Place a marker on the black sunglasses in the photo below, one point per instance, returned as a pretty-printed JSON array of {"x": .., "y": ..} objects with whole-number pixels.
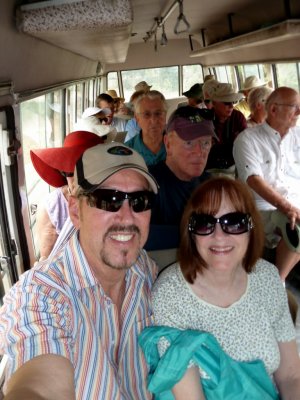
[
  {"x": 234, "y": 223},
  {"x": 112, "y": 200},
  {"x": 67, "y": 174},
  {"x": 207, "y": 101}
]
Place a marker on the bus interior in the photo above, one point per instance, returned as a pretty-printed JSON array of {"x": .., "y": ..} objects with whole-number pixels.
[{"x": 58, "y": 55}]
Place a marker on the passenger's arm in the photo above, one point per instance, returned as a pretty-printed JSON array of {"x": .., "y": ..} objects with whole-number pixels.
[
  {"x": 46, "y": 232},
  {"x": 189, "y": 387},
  {"x": 287, "y": 376},
  {"x": 258, "y": 184},
  {"x": 46, "y": 377}
]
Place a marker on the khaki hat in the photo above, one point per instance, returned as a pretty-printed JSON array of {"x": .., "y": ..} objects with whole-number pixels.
[
  {"x": 195, "y": 92},
  {"x": 208, "y": 87},
  {"x": 101, "y": 162},
  {"x": 252, "y": 82},
  {"x": 142, "y": 86},
  {"x": 224, "y": 92},
  {"x": 209, "y": 77},
  {"x": 112, "y": 93}
]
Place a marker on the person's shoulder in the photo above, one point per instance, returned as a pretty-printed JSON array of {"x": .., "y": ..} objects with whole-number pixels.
[
  {"x": 265, "y": 272},
  {"x": 168, "y": 279}
]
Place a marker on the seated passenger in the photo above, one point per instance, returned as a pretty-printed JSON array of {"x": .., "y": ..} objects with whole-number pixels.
[
  {"x": 150, "y": 110},
  {"x": 188, "y": 141},
  {"x": 251, "y": 82},
  {"x": 221, "y": 297},
  {"x": 55, "y": 165},
  {"x": 194, "y": 96},
  {"x": 228, "y": 124},
  {"x": 142, "y": 86},
  {"x": 93, "y": 120},
  {"x": 256, "y": 100},
  {"x": 70, "y": 326},
  {"x": 106, "y": 101},
  {"x": 267, "y": 157},
  {"x": 132, "y": 127},
  {"x": 117, "y": 100},
  {"x": 208, "y": 90}
]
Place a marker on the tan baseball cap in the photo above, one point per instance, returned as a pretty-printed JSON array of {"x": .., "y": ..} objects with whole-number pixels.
[{"x": 97, "y": 165}]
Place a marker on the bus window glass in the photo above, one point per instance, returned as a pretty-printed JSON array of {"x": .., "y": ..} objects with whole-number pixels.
[
  {"x": 112, "y": 82},
  {"x": 288, "y": 75},
  {"x": 70, "y": 108},
  {"x": 54, "y": 116},
  {"x": 36, "y": 133},
  {"x": 164, "y": 79},
  {"x": 92, "y": 94},
  {"x": 191, "y": 74},
  {"x": 226, "y": 74},
  {"x": 79, "y": 100}
]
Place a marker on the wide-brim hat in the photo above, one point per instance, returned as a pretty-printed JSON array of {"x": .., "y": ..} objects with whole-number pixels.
[
  {"x": 90, "y": 111},
  {"x": 100, "y": 162},
  {"x": 224, "y": 92},
  {"x": 195, "y": 92},
  {"x": 112, "y": 93},
  {"x": 252, "y": 82},
  {"x": 92, "y": 124},
  {"x": 289, "y": 235},
  {"x": 191, "y": 123},
  {"x": 50, "y": 162},
  {"x": 142, "y": 86}
]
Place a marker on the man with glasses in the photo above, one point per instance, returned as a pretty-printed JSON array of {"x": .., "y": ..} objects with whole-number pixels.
[
  {"x": 70, "y": 325},
  {"x": 188, "y": 141},
  {"x": 150, "y": 113},
  {"x": 228, "y": 124},
  {"x": 267, "y": 157}
]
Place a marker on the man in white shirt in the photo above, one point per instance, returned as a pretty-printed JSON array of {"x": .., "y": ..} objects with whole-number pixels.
[{"x": 267, "y": 157}]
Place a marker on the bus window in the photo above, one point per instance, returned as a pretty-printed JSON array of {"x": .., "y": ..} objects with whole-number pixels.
[
  {"x": 191, "y": 74},
  {"x": 71, "y": 108},
  {"x": 226, "y": 74},
  {"x": 288, "y": 75},
  {"x": 112, "y": 82},
  {"x": 79, "y": 100},
  {"x": 164, "y": 79}
]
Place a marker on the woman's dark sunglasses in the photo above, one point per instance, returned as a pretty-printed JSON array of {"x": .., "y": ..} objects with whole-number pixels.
[
  {"x": 112, "y": 200},
  {"x": 234, "y": 223}
]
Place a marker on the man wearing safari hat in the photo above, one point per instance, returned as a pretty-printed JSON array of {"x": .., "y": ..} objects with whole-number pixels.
[
  {"x": 267, "y": 157},
  {"x": 188, "y": 141},
  {"x": 228, "y": 124},
  {"x": 71, "y": 325},
  {"x": 250, "y": 83}
]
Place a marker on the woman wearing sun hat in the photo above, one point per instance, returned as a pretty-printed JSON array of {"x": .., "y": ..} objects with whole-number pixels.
[{"x": 56, "y": 167}]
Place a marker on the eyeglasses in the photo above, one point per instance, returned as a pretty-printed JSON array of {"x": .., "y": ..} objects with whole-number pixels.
[
  {"x": 207, "y": 101},
  {"x": 112, "y": 200},
  {"x": 205, "y": 145},
  {"x": 295, "y": 106},
  {"x": 155, "y": 114},
  {"x": 234, "y": 223}
]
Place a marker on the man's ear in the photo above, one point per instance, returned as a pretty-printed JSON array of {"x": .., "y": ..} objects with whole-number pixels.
[{"x": 74, "y": 211}]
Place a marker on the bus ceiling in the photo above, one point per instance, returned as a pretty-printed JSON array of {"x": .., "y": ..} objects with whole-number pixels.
[{"x": 216, "y": 32}]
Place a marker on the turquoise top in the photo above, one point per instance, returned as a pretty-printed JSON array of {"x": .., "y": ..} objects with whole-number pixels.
[{"x": 150, "y": 158}]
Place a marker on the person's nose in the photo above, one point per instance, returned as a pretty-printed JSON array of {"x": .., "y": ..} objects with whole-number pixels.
[
  {"x": 126, "y": 212},
  {"x": 218, "y": 231}
]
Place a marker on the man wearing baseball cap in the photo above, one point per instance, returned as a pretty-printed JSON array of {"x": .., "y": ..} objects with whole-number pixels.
[
  {"x": 188, "y": 140},
  {"x": 70, "y": 325}
]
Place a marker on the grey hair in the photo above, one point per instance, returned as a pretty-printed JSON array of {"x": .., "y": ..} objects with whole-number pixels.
[
  {"x": 151, "y": 95},
  {"x": 258, "y": 95}
]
